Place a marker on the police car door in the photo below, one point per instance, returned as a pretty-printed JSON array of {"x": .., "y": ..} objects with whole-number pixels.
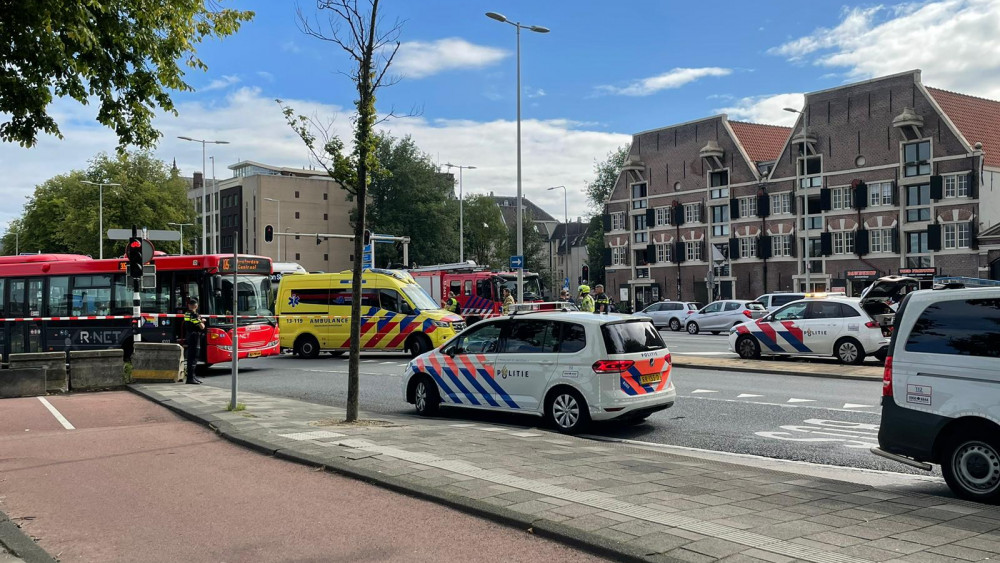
[
  {"x": 782, "y": 332},
  {"x": 464, "y": 369},
  {"x": 527, "y": 359},
  {"x": 821, "y": 326}
]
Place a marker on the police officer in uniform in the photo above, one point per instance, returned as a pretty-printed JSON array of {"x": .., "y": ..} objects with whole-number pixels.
[
  {"x": 586, "y": 301},
  {"x": 602, "y": 302},
  {"x": 452, "y": 304},
  {"x": 194, "y": 326}
]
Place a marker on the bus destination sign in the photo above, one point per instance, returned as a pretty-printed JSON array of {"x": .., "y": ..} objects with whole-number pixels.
[{"x": 248, "y": 265}]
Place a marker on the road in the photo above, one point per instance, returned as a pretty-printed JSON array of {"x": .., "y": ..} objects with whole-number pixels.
[
  {"x": 824, "y": 421},
  {"x": 119, "y": 478}
]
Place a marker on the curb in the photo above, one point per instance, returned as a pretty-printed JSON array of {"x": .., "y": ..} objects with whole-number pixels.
[
  {"x": 741, "y": 369},
  {"x": 20, "y": 544},
  {"x": 556, "y": 531}
]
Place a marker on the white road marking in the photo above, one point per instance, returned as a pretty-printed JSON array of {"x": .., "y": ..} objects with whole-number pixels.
[
  {"x": 703, "y": 353},
  {"x": 703, "y": 391},
  {"x": 744, "y": 395},
  {"x": 856, "y": 406},
  {"x": 793, "y": 400},
  {"x": 62, "y": 419},
  {"x": 389, "y": 363},
  {"x": 783, "y": 405}
]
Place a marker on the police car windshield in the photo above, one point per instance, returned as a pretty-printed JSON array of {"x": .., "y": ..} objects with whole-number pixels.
[
  {"x": 532, "y": 289},
  {"x": 631, "y": 337},
  {"x": 419, "y": 297},
  {"x": 253, "y": 295}
]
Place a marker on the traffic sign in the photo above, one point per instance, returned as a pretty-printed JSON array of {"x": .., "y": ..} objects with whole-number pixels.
[
  {"x": 516, "y": 262},
  {"x": 125, "y": 234},
  {"x": 368, "y": 256}
]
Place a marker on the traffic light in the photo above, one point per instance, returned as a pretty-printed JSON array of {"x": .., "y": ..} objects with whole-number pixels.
[
  {"x": 586, "y": 273},
  {"x": 368, "y": 237},
  {"x": 319, "y": 240},
  {"x": 268, "y": 233},
  {"x": 134, "y": 255}
]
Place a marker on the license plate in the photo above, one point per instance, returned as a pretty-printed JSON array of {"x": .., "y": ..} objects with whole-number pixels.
[
  {"x": 649, "y": 378},
  {"x": 256, "y": 354}
]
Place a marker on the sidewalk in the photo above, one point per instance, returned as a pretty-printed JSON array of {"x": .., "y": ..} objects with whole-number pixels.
[
  {"x": 805, "y": 368},
  {"x": 614, "y": 500}
]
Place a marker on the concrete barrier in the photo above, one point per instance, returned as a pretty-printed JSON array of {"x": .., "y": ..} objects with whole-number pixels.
[
  {"x": 22, "y": 382},
  {"x": 96, "y": 369},
  {"x": 54, "y": 364},
  {"x": 157, "y": 362}
]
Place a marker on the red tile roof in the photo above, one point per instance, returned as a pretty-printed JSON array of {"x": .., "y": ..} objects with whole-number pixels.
[
  {"x": 762, "y": 142},
  {"x": 978, "y": 119}
]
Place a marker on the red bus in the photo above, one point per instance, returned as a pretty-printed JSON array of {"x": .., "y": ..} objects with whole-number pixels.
[{"x": 62, "y": 302}]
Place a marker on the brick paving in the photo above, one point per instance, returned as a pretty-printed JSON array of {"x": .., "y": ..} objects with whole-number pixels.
[{"x": 622, "y": 501}]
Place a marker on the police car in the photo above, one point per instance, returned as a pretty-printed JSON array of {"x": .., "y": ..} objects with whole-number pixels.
[
  {"x": 819, "y": 325},
  {"x": 570, "y": 367}
]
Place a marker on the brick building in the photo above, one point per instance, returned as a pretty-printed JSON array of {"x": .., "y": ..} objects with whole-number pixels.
[{"x": 883, "y": 177}]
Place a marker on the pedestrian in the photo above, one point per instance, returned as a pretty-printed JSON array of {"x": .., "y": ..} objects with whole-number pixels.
[
  {"x": 508, "y": 301},
  {"x": 586, "y": 301},
  {"x": 194, "y": 327},
  {"x": 602, "y": 302},
  {"x": 564, "y": 296}
]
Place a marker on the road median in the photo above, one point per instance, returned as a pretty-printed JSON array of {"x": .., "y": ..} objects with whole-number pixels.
[{"x": 781, "y": 367}]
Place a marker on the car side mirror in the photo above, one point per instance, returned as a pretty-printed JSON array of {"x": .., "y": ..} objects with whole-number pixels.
[{"x": 405, "y": 308}]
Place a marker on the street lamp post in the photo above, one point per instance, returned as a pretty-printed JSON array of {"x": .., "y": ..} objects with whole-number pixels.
[
  {"x": 520, "y": 227},
  {"x": 461, "y": 204},
  {"x": 181, "y": 225},
  {"x": 566, "y": 228},
  {"x": 278, "y": 201},
  {"x": 805, "y": 166},
  {"x": 100, "y": 213},
  {"x": 204, "y": 197}
]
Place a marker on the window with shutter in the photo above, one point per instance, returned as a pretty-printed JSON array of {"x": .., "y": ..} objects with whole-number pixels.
[
  {"x": 826, "y": 244},
  {"x": 934, "y": 236},
  {"x": 734, "y": 249}
]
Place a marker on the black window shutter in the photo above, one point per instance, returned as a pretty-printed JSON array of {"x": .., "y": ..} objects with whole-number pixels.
[
  {"x": 650, "y": 217},
  {"x": 861, "y": 242},
  {"x": 793, "y": 247},
  {"x": 791, "y": 201},
  {"x": 763, "y": 247},
  {"x": 895, "y": 193},
  {"x": 702, "y": 210},
  {"x": 973, "y": 185},
  {"x": 679, "y": 215},
  {"x": 606, "y": 218},
  {"x": 825, "y": 200},
  {"x": 826, "y": 244},
  {"x": 679, "y": 254},
  {"x": 895, "y": 240},
  {"x": 861, "y": 196},
  {"x": 934, "y": 237},
  {"x": 734, "y": 249},
  {"x": 763, "y": 205},
  {"x": 937, "y": 187},
  {"x": 973, "y": 234},
  {"x": 606, "y": 256},
  {"x": 704, "y": 251},
  {"x": 734, "y": 208},
  {"x": 650, "y": 254}
]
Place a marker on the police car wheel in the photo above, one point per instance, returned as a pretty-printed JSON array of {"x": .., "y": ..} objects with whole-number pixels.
[
  {"x": 567, "y": 411},
  {"x": 692, "y": 327},
  {"x": 748, "y": 348},
  {"x": 971, "y": 467},
  {"x": 849, "y": 351},
  {"x": 307, "y": 347},
  {"x": 675, "y": 325},
  {"x": 425, "y": 397}
]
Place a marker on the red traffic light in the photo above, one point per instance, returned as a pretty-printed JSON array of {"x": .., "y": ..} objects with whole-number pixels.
[{"x": 135, "y": 244}]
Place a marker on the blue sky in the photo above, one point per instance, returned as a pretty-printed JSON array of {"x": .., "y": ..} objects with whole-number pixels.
[{"x": 605, "y": 71}]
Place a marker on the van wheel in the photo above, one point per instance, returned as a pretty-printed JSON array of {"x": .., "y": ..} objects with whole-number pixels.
[
  {"x": 971, "y": 467},
  {"x": 567, "y": 410},
  {"x": 849, "y": 351},
  {"x": 307, "y": 347},
  {"x": 426, "y": 397},
  {"x": 418, "y": 344},
  {"x": 692, "y": 327},
  {"x": 748, "y": 348},
  {"x": 675, "y": 325}
]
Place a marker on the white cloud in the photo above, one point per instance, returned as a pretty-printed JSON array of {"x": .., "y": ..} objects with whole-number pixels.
[
  {"x": 225, "y": 81},
  {"x": 554, "y": 151},
  {"x": 265, "y": 75},
  {"x": 534, "y": 92},
  {"x": 420, "y": 59},
  {"x": 673, "y": 79},
  {"x": 952, "y": 41},
  {"x": 291, "y": 47},
  {"x": 765, "y": 109}
]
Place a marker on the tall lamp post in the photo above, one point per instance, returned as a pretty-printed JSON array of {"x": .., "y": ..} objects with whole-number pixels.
[
  {"x": 566, "y": 228},
  {"x": 520, "y": 227},
  {"x": 181, "y": 225},
  {"x": 805, "y": 165},
  {"x": 461, "y": 204},
  {"x": 100, "y": 213},
  {"x": 278, "y": 201},
  {"x": 204, "y": 196}
]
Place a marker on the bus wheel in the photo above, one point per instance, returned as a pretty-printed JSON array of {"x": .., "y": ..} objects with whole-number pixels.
[
  {"x": 307, "y": 347},
  {"x": 418, "y": 344}
]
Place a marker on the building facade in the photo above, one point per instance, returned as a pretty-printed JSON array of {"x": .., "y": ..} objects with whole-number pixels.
[{"x": 881, "y": 177}]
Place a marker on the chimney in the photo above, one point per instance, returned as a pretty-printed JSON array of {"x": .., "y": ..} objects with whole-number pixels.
[{"x": 197, "y": 181}]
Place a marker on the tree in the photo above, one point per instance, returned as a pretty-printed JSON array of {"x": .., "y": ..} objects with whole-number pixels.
[
  {"x": 534, "y": 245},
  {"x": 606, "y": 175},
  {"x": 124, "y": 53},
  {"x": 62, "y": 214},
  {"x": 410, "y": 197},
  {"x": 595, "y": 250},
  {"x": 485, "y": 235},
  {"x": 371, "y": 51}
]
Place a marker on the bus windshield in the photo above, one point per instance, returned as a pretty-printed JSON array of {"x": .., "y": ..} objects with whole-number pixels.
[
  {"x": 253, "y": 296},
  {"x": 532, "y": 287}
]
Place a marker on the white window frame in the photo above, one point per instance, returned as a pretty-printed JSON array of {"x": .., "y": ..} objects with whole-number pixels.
[
  {"x": 781, "y": 204},
  {"x": 841, "y": 198},
  {"x": 884, "y": 237},
  {"x": 959, "y": 233},
  {"x": 693, "y": 250},
  {"x": 692, "y": 213},
  {"x": 640, "y": 236},
  {"x": 748, "y": 247},
  {"x": 956, "y": 185},
  {"x": 663, "y": 252},
  {"x": 618, "y": 254},
  {"x": 781, "y": 245},
  {"x": 949, "y": 233},
  {"x": 618, "y": 221},
  {"x": 662, "y": 216},
  {"x": 748, "y": 206}
]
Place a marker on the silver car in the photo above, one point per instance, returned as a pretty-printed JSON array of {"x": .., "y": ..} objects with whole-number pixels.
[
  {"x": 671, "y": 314},
  {"x": 721, "y": 316}
]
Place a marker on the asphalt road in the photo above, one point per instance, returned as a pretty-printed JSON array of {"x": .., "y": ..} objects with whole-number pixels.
[{"x": 823, "y": 421}]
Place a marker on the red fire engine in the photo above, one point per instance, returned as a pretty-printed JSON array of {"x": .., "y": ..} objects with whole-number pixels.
[{"x": 477, "y": 289}]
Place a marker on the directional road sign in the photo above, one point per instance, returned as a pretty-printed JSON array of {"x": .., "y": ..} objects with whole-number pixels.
[
  {"x": 125, "y": 234},
  {"x": 516, "y": 262}
]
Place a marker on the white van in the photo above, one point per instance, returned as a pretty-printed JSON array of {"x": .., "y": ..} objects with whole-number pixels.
[{"x": 941, "y": 388}]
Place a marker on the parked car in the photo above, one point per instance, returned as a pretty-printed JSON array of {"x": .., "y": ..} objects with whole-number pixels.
[
  {"x": 570, "y": 367},
  {"x": 890, "y": 290},
  {"x": 720, "y": 316},
  {"x": 941, "y": 389},
  {"x": 671, "y": 314},
  {"x": 775, "y": 301}
]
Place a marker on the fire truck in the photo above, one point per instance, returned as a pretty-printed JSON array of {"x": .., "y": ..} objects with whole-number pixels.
[{"x": 477, "y": 288}]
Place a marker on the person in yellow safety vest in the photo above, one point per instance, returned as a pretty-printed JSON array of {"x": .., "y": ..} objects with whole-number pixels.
[
  {"x": 508, "y": 301},
  {"x": 586, "y": 301},
  {"x": 451, "y": 304},
  {"x": 602, "y": 302}
]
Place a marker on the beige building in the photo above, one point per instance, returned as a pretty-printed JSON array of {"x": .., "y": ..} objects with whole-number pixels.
[{"x": 291, "y": 200}]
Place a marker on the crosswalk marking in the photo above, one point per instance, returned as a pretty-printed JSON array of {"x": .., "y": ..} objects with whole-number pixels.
[
  {"x": 855, "y": 406},
  {"x": 793, "y": 400},
  {"x": 703, "y": 391},
  {"x": 745, "y": 395}
]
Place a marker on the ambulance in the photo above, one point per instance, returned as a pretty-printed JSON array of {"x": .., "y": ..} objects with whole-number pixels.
[{"x": 314, "y": 314}]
